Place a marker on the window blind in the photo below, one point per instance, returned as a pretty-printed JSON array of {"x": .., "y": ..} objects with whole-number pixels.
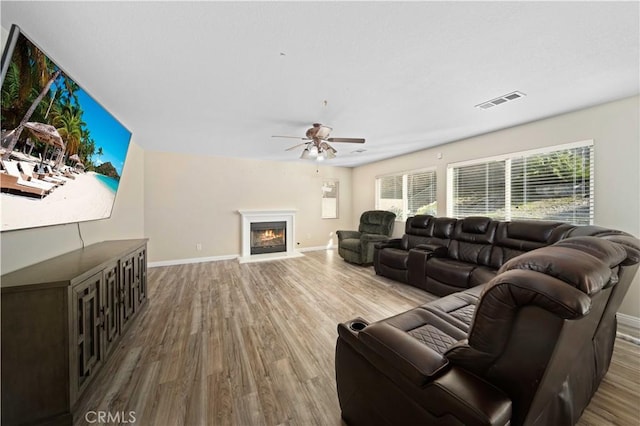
[
  {"x": 421, "y": 193},
  {"x": 550, "y": 184},
  {"x": 391, "y": 187},
  {"x": 479, "y": 190},
  {"x": 553, "y": 186},
  {"x": 407, "y": 194}
]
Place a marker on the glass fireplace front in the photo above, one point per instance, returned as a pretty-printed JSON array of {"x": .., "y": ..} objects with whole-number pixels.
[{"x": 268, "y": 237}]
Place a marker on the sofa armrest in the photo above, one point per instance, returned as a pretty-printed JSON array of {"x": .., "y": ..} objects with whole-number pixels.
[
  {"x": 413, "y": 359},
  {"x": 444, "y": 390},
  {"x": 372, "y": 238},
  {"x": 435, "y": 249},
  {"x": 392, "y": 243},
  {"x": 343, "y": 235},
  {"x": 417, "y": 262},
  {"x": 462, "y": 395}
]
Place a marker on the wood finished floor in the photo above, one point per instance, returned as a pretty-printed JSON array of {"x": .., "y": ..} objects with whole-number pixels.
[{"x": 221, "y": 343}]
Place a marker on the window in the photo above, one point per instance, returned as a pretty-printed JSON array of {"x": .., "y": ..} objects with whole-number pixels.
[
  {"x": 407, "y": 194},
  {"x": 554, "y": 183}
]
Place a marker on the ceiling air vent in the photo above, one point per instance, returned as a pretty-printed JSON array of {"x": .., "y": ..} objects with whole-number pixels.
[{"x": 501, "y": 100}]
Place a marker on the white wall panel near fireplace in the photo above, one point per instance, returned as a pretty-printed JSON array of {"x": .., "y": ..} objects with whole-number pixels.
[{"x": 257, "y": 216}]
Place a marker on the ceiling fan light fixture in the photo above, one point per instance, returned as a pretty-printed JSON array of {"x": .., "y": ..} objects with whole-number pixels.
[
  {"x": 316, "y": 143},
  {"x": 305, "y": 154}
]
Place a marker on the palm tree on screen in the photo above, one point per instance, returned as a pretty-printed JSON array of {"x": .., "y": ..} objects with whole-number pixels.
[
  {"x": 69, "y": 124},
  {"x": 42, "y": 75}
]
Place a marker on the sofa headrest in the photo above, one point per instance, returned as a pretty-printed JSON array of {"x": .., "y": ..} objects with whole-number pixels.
[
  {"x": 377, "y": 222},
  {"x": 475, "y": 224},
  {"x": 443, "y": 226},
  {"x": 574, "y": 263},
  {"x": 421, "y": 221},
  {"x": 607, "y": 251},
  {"x": 533, "y": 230},
  {"x": 630, "y": 243},
  {"x": 376, "y": 217}
]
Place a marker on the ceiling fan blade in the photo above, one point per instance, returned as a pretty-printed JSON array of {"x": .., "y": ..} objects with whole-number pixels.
[
  {"x": 349, "y": 140},
  {"x": 322, "y": 131},
  {"x": 296, "y": 146},
  {"x": 290, "y": 137}
]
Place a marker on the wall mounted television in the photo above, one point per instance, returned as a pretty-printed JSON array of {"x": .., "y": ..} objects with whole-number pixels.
[{"x": 62, "y": 154}]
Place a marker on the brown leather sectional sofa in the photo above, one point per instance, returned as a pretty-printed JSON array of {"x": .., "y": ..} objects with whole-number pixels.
[
  {"x": 443, "y": 255},
  {"x": 527, "y": 347}
]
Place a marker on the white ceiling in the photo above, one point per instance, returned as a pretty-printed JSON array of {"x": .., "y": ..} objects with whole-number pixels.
[{"x": 219, "y": 78}]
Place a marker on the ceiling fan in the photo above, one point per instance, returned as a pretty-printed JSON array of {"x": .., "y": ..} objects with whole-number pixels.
[{"x": 316, "y": 145}]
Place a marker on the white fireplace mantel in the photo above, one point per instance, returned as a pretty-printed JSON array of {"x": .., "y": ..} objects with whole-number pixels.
[{"x": 255, "y": 216}]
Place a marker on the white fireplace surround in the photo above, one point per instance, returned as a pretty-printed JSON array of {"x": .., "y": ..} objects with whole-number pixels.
[{"x": 256, "y": 216}]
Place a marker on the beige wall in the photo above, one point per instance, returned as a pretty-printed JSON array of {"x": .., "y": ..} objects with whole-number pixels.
[
  {"x": 25, "y": 247},
  {"x": 614, "y": 127},
  {"x": 193, "y": 199}
]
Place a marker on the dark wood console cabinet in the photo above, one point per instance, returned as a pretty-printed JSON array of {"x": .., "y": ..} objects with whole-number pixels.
[{"x": 61, "y": 319}]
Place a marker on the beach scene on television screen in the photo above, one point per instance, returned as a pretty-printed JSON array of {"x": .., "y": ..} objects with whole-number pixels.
[{"x": 62, "y": 154}]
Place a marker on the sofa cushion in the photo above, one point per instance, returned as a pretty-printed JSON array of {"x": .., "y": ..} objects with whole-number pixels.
[
  {"x": 514, "y": 238},
  {"x": 411, "y": 241},
  {"x": 426, "y": 229},
  {"x": 458, "y": 308},
  {"x": 472, "y": 240},
  {"x": 416, "y": 228},
  {"x": 450, "y": 271},
  {"x": 441, "y": 231},
  {"x": 481, "y": 275},
  {"x": 394, "y": 258},
  {"x": 420, "y": 324},
  {"x": 351, "y": 244}
]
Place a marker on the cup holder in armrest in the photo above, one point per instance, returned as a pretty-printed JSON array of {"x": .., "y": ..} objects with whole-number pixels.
[
  {"x": 357, "y": 325},
  {"x": 350, "y": 330}
]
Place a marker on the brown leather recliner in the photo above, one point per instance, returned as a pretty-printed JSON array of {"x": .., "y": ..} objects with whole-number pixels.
[{"x": 530, "y": 347}]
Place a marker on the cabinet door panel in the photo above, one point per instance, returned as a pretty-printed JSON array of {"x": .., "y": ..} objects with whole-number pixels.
[
  {"x": 87, "y": 329},
  {"x": 141, "y": 276},
  {"x": 127, "y": 290},
  {"x": 110, "y": 306}
]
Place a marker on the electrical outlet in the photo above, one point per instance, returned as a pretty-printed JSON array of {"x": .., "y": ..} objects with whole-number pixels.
[{"x": 199, "y": 246}]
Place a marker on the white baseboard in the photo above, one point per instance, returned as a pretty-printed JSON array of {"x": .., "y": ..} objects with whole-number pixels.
[
  {"x": 217, "y": 258},
  {"x": 317, "y": 248},
  {"x": 628, "y": 320},
  {"x": 193, "y": 260}
]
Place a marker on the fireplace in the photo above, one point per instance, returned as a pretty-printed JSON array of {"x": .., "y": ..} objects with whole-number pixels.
[{"x": 268, "y": 237}]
